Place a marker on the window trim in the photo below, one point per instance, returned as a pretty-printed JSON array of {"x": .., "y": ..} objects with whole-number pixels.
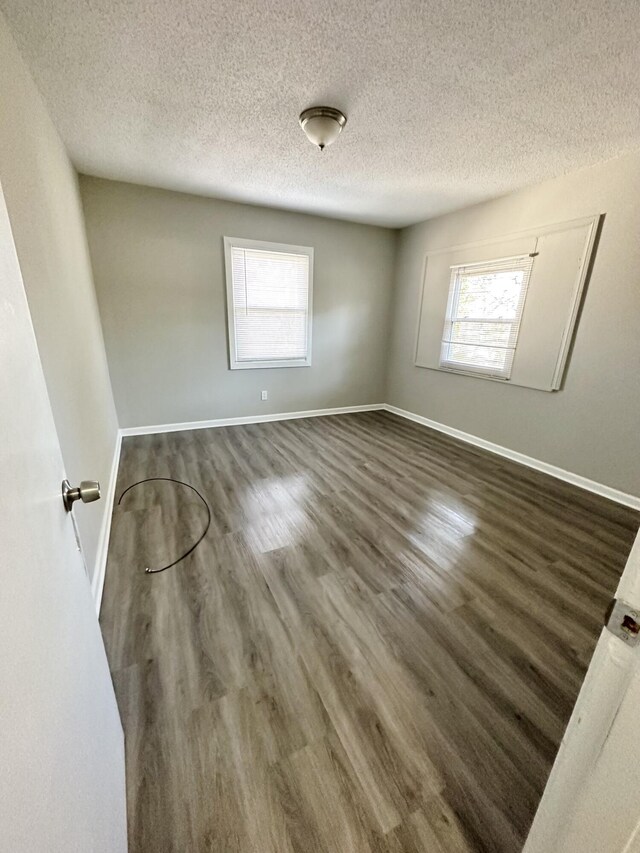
[
  {"x": 454, "y": 290},
  {"x": 265, "y": 246}
]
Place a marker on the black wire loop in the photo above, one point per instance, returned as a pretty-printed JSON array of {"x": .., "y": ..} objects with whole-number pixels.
[{"x": 200, "y": 538}]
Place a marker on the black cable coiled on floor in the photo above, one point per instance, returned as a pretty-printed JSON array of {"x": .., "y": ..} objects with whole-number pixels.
[{"x": 200, "y": 538}]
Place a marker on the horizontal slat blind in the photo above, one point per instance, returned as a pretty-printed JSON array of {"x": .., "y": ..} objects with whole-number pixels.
[
  {"x": 270, "y": 304},
  {"x": 486, "y": 301}
]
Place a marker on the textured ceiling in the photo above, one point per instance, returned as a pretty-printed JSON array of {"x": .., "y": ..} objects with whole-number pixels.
[{"x": 448, "y": 102}]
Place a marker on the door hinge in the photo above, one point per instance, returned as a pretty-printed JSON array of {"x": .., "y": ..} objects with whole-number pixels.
[{"x": 623, "y": 621}]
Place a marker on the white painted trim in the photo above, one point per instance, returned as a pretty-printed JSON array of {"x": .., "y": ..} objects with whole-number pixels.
[
  {"x": 616, "y": 495},
  {"x": 97, "y": 585},
  {"x": 597, "y": 705},
  {"x": 575, "y": 479},
  {"x": 540, "y": 231},
  {"x": 576, "y": 779},
  {"x": 100, "y": 568},
  {"x": 249, "y": 419},
  {"x": 578, "y": 291},
  {"x": 559, "y": 473}
]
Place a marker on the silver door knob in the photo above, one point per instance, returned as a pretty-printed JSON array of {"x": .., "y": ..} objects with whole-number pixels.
[{"x": 87, "y": 491}]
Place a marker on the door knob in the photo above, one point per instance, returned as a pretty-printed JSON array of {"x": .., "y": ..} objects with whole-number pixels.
[{"x": 87, "y": 491}]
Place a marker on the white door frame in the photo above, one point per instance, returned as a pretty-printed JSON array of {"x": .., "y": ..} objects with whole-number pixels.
[{"x": 582, "y": 791}]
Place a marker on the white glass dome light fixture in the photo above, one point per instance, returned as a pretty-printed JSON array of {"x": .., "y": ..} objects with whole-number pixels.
[{"x": 322, "y": 125}]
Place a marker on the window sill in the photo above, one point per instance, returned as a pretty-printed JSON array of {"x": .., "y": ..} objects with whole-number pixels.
[
  {"x": 253, "y": 365},
  {"x": 482, "y": 373}
]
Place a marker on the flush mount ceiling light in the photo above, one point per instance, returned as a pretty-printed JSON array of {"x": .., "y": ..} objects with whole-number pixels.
[{"x": 322, "y": 125}]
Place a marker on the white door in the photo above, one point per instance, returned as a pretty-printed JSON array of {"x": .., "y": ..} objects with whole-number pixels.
[
  {"x": 592, "y": 801},
  {"x": 61, "y": 743}
]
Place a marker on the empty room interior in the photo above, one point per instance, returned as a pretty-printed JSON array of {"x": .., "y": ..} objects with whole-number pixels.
[{"x": 320, "y": 374}]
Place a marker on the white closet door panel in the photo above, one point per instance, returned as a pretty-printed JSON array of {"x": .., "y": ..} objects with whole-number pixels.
[{"x": 547, "y": 315}]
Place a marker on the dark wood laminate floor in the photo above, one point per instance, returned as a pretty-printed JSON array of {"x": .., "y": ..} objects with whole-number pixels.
[{"x": 376, "y": 647}]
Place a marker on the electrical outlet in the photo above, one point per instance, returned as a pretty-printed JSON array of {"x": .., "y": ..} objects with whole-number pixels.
[{"x": 264, "y": 396}]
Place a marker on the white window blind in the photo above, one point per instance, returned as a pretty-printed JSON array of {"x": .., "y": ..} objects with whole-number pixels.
[
  {"x": 486, "y": 301},
  {"x": 269, "y": 299}
]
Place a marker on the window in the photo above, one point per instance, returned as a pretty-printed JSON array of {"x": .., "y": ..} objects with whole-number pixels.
[
  {"x": 269, "y": 288},
  {"x": 484, "y": 311}
]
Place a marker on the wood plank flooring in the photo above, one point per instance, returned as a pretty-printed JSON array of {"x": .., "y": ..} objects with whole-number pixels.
[{"x": 375, "y": 649}]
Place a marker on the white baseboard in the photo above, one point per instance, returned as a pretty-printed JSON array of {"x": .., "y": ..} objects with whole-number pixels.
[
  {"x": 249, "y": 419},
  {"x": 559, "y": 473},
  {"x": 97, "y": 584},
  {"x": 100, "y": 568}
]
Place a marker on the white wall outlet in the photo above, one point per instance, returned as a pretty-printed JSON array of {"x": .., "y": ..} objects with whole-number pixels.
[{"x": 264, "y": 396}]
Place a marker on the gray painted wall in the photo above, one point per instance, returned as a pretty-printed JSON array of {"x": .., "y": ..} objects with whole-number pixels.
[
  {"x": 41, "y": 191},
  {"x": 159, "y": 272},
  {"x": 591, "y": 427}
]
